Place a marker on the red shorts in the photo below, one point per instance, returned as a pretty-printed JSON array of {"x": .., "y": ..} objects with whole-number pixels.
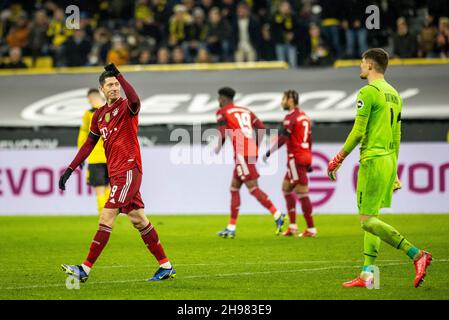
[
  {"x": 125, "y": 194},
  {"x": 245, "y": 168},
  {"x": 296, "y": 173}
]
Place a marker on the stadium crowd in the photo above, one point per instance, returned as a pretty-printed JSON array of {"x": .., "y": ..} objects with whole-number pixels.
[{"x": 301, "y": 32}]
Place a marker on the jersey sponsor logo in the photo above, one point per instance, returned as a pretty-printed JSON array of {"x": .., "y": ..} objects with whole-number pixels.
[{"x": 360, "y": 104}]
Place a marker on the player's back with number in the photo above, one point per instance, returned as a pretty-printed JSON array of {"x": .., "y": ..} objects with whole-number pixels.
[
  {"x": 299, "y": 144},
  {"x": 383, "y": 105},
  {"x": 240, "y": 122}
]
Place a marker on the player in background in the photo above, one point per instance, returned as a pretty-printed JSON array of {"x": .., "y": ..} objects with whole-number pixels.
[
  {"x": 377, "y": 128},
  {"x": 97, "y": 170},
  {"x": 239, "y": 123},
  {"x": 117, "y": 124},
  {"x": 297, "y": 134}
]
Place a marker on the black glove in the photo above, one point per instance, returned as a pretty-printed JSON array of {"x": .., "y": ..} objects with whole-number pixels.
[
  {"x": 112, "y": 68},
  {"x": 63, "y": 179}
]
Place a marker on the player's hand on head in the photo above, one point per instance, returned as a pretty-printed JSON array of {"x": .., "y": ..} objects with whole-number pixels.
[
  {"x": 112, "y": 68},
  {"x": 63, "y": 179}
]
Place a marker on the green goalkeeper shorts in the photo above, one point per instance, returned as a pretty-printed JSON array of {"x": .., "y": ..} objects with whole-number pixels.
[{"x": 375, "y": 184}]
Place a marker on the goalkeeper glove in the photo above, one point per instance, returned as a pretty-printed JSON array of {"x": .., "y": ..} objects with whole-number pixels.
[
  {"x": 112, "y": 69},
  {"x": 334, "y": 165},
  {"x": 63, "y": 179}
]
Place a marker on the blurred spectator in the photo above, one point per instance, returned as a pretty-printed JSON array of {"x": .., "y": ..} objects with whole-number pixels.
[
  {"x": 267, "y": 45},
  {"x": 207, "y": 5},
  {"x": 318, "y": 48},
  {"x": 354, "y": 25},
  {"x": 442, "y": 40},
  {"x": 437, "y": 9},
  {"x": 179, "y": 24},
  {"x": 58, "y": 34},
  {"x": 163, "y": 55},
  {"x": 146, "y": 22},
  {"x": 405, "y": 45},
  {"x": 18, "y": 34},
  {"x": 196, "y": 37},
  {"x": 15, "y": 60},
  {"x": 247, "y": 34},
  {"x": 188, "y": 4},
  {"x": 427, "y": 38},
  {"x": 218, "y": 34},
  {"x": 118, "y": 54},
  {"x": 145, "y": 57},
  {"x": 203, "y": 56},
  {"x": 77, "y": 49},
  {"x": 283, "y": 28},
  {"x": 178, "y": 55},
  {"x": 38, "y": 35},
  {"x": 100, "y": 47},
  {"x": 331, "y": 15}
]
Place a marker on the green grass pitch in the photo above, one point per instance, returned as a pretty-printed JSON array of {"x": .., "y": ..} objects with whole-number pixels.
[{"x": 255, "y": 265}]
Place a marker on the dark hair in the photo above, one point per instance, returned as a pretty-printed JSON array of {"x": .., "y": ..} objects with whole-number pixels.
[
  {"x": 104, "y": 75},
  {"x": 380, "y": 58},
  {"x": 92, "y": 90},
  {"x": 227, "y": 92},
  {"x": 292, "y": 94}
]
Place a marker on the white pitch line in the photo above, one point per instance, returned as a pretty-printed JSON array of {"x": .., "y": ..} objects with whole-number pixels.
[{"x": 217, "y": 275}]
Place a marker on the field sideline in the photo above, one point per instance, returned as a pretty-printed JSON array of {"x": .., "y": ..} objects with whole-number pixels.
[{"x": 254, "y": 265}]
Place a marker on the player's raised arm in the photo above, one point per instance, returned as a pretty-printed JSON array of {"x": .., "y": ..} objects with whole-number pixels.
[
  {"x": 131, "y": 94},
  {"x": 364, "y": 103}
]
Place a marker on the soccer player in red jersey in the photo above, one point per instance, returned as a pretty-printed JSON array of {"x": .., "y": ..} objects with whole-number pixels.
[
  {"x": 239, "y": 123},
  {"x": 117, "y": 124},
  {"x": 297, "y": 134}
]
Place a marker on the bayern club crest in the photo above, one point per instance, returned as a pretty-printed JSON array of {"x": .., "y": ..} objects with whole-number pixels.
[{"x": 114, "y": 113}]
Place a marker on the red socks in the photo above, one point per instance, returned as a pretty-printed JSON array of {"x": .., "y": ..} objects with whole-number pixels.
[
  {"x": 151, "y": 240},
  {"x": 235, "y": 205},
  {"x": 98, "y": 243},
  {"x": 306, "y": 206},
  {"x": 263, "y": 199},
  {"x": 291, "y": 206}
]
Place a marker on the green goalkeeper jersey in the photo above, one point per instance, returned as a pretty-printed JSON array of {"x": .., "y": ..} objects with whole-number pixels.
[{"x": 377, "y": 124}]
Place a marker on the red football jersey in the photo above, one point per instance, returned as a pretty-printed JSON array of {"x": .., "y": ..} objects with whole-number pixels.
[
  {"x": 118, "y": 128},
  {"x": 239, "y": 122},
  {"x": 299, "y": 142}
]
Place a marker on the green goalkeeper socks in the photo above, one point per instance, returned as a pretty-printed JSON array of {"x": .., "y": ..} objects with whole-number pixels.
[
  {"x": 371, "y": 246},
  {"x": 390, "y": 235}
]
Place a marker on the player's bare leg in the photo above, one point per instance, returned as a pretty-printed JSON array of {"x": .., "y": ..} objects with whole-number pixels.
[
  {"x": 302, "y": 191},
  {"x": 229, "y": 231},
  {"x": 152, "y": 242},
  {"x": 101, "y": 238},
  {"x": 290, "y": 200},
  {"x": 264, "y": 200},
  {"x": 380, "y": 230},
  {"x": 102, "y": 193}
]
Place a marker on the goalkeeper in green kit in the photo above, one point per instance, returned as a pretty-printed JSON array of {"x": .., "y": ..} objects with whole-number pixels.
[{"x": 377, "y": 128}]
